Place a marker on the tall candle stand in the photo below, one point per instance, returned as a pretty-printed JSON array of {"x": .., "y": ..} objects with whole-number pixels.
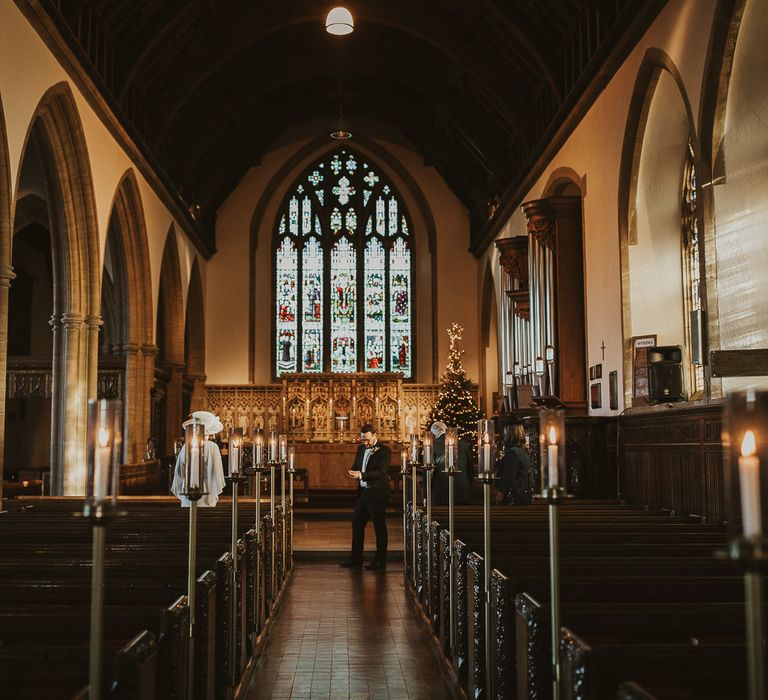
[
  {"x": 403, "y": 475},
  {"x": 291, "y": 472},
  {"x": 272, "y": 463},
  {"x": 486, "y": 463},
  {"x": 194, "y": 488},
  {"x": 104, "y": 444},
  {"x": 283, "y": 464},
  {"x": 451, "y": 449},
  {"x": 428, "y": 468},
  {"x": 552, "y": 461},
  {"x": 414, "y": 461},
  {"x": 745, "y": 441},
  {"x": 254, "y": 471},
  {"x": 234, "y": 479}
]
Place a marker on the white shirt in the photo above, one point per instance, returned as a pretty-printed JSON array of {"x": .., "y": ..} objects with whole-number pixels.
[
  {"x": 214, "y": 476},
  {"x": 366, "y": 456}
]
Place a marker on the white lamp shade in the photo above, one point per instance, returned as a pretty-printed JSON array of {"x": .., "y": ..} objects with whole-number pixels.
[{"x": 339, "y": 21}]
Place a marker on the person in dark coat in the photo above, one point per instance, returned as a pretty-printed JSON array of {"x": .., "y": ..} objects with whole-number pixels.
[
  {"x": 513, "y": 486},
  {"x": 371, "y": 470},
  {"x": 461, "y": 484}
]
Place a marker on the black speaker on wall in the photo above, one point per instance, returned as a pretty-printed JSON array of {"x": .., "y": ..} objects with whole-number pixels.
[{"x": 665, "y": 374}]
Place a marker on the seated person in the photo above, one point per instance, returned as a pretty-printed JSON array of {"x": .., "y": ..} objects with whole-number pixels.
[{"x": 513, "y": 487}]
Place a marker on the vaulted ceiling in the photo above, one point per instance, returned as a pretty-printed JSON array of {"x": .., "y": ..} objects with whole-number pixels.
[{"x": 478, "y": 86}]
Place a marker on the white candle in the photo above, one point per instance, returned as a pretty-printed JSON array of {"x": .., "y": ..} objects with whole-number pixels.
[
  {"x": 427, "y": 449},
  {"x": 552, "y": 458},
  {"x": 258, "y": 448},
  {"x": 291, "y": 459},
  {"x": 414, "y": 449},
  {"x": 194, "y": 464},
  {"x": 101, "y": 461},
  {"x": 749, "y": 482},
  {"x": 449, "y": 447},
  {"x": 404, "y": 458},
  {"x": 273, "y": 446},
  {"x": 487, "y": 455},
  {"x": 234, "y": 459},
  {"x": 283, "y": 448}
]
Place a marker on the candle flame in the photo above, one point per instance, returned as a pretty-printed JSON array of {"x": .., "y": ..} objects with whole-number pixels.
[
  {"x": 552, "y": 435},
  {"x": 103, "y": 437},
  {"x": 748, "y": 445}
]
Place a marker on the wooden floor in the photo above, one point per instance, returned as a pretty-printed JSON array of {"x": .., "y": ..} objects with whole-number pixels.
[
  {"x": 347, "y": 634},
  {"x": 335, "y": 536}
]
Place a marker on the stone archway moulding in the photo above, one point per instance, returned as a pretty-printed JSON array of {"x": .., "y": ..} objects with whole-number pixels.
[
  {"x": 654, "y": 62},
  {"x": 128, "y": 235},
  {"x": 283, "y": 179},
  {"x": 76, "y": 318}
]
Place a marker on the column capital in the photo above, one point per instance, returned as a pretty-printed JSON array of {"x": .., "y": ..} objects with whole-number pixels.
[
  {"x": 513, "y": 257},
  {"x": 130, "y": 348},
  {"x": 94, "y": 322},
  {"x": 541, "y": 221},
  {"x": 6, "y": 275},
  {"x": 148, "y": 349}
]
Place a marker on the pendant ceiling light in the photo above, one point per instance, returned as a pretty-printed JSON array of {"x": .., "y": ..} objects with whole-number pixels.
[
  {"x": 340, "y": 129},
  {"x": 339, "y": 21}
]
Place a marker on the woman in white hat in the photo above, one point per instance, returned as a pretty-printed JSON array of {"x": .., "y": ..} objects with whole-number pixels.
[{"x": 214, "y": 474}]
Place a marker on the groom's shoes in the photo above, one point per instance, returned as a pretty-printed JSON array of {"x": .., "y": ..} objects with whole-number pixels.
[
  {"x": 376, "y": 564},
  {"x": 351, "y": 564}
]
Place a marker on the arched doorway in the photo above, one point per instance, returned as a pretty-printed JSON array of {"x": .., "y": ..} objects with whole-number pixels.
[{"x": 55, "y": 215}]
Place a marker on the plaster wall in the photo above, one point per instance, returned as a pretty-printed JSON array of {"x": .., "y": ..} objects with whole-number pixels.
[
  {"x": 593, "y": 150},
  {"x": 227, "y": 343}
]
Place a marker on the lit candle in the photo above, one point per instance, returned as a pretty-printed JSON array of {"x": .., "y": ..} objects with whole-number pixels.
[
  {"x": 194, "y": 464},
  {"x": 404, "y": 458},
  {"x": 552, "y": 457},
  {"x": 291, "y": 458},
  {"x": 272, "y": 446},
  {"x": 283, "y": 448},
  {"x": 427, "y": 442},
  {"x": 101, "y": 461},
  {"x": 486, "y": 453},
  {"x": 235, "y": 449},
  {"x": 749, "y": 481},
  {"x": 414, "y": 448},
  {"x": 258, "y": 448},
  {"x": 450, "y": 446}
]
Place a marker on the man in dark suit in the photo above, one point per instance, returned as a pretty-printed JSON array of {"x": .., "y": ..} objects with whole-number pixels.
[{"x": 371, "y": 470}]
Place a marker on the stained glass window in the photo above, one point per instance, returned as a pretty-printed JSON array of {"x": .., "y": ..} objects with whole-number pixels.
[
  {"x": 343, "y": 272},
  {"x": 691, "y": 264}
]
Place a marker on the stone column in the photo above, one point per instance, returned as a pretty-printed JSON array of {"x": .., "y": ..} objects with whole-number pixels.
[
  {"x": 132, "y": 397},
  {"x": 198, "y": 400},
  {"x": 6, "y": 275},
  {"x": 173, "y": 405},
  {"x": 148, "y": 355},
  {"x": 71, "y": 382}
]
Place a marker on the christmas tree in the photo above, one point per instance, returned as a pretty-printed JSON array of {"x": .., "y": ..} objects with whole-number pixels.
[{"x": 455, "y": 404}]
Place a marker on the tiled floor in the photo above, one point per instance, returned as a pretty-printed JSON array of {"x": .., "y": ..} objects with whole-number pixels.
[{"x": 347, "y": 634}]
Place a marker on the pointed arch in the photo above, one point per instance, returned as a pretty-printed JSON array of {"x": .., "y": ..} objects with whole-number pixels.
[
  {"x": 490, "y": 360},
  {"x": 194, "y": 336},
  {"x": 132, "y": 283},
  {"x": 57, "y": 131},
  {"x": 650, "y": 79},
  {"x": 168, "y": 392},
  {"x": 6, "y": 275}
]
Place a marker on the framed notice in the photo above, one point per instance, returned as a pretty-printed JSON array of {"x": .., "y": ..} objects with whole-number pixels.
[{"x": 640, "y": 346}]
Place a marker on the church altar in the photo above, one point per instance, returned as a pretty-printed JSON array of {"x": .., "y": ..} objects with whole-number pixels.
[{"x": 322, "y": 415}]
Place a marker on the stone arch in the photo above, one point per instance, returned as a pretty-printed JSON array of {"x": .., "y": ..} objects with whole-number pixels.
[
  {"x": 657, "y": 68},
  {"x": 489, "y": 353},
  {"x": 194, "y": 337},
  {"x": 57, "y": 130},
  {"x": 565, "y": 182},
  {"x": 282, "y": 180},
  {"x": 168, "y": 397},
  {"x": 6, "y": 274},
  {"x": 131, "y": 278}
]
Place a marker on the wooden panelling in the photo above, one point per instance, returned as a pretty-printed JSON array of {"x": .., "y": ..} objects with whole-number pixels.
[{"x": 673, "y": 459}]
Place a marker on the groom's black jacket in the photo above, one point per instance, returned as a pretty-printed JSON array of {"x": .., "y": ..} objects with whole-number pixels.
[{"x": 376, "y": 471}]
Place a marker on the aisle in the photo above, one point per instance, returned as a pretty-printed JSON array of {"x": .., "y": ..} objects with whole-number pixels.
[{"x": 347, "y": 634}]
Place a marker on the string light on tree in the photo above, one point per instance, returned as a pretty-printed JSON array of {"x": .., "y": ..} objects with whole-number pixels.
[{"x": 455, "y": 404}]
